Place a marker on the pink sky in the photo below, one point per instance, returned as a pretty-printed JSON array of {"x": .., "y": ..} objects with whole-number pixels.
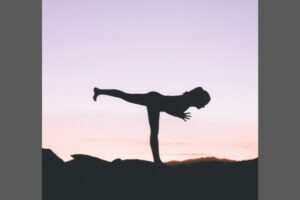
[{"x": 140, "y": 46}]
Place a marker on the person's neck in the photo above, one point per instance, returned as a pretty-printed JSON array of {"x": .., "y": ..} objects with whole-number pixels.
[{"x": 185, "y": 104}]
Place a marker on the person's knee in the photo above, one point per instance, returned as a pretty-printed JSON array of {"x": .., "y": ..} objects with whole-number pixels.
[
  {"x": 153, "y": 138},
  {"x": 154, "y": 134},
  {"x": 152, "y": 93}
]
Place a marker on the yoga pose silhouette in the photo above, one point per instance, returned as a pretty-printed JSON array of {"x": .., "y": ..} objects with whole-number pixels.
[{"x": 156, "y": 103}]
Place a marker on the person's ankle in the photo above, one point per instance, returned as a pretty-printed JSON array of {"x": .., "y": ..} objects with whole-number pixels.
[
  {"x": 97, "y": 91},
  {"x": 158, "y": 162}
]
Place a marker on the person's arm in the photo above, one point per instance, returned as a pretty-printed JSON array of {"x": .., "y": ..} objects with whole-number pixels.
[{"x": 184, "y": 115}]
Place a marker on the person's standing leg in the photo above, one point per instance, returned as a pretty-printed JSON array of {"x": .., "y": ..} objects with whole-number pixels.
[{"x": 153, "y": 115}]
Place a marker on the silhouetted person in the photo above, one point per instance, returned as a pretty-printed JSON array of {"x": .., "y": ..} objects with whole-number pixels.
[{"x": 156, "y": 103}]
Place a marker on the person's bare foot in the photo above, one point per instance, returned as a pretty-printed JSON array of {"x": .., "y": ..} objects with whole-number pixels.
[
  {"x": 159, "y": 164},
  {"x": 96, "y": 93}
]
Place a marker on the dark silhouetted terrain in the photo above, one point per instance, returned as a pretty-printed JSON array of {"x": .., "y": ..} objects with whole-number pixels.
[{"x": 89, "y": 178}]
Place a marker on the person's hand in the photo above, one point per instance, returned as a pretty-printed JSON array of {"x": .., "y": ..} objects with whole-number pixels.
[{"x": 185, "y": 116}]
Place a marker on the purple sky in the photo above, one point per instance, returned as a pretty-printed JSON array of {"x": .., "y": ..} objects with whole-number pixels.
[{"x": 169, "y": 46}]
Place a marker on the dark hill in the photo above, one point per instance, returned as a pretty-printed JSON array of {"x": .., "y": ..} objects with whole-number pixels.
[
  {"x": 198, "y": 160},
  {"x": 88, "y": 178}
]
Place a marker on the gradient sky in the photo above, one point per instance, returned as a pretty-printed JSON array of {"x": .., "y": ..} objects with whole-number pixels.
[{"x": 169, "y": 46}]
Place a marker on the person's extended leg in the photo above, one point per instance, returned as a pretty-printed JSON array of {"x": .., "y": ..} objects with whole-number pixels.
[
  {"x": 153, "y": 115},
  {"x": 141, "y": 99}
]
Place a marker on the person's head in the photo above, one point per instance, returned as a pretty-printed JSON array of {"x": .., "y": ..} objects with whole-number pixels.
[{"x": 197, "y": 97}]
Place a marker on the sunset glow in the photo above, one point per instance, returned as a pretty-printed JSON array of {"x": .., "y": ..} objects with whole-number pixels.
[{"x": 140, "y": 46}]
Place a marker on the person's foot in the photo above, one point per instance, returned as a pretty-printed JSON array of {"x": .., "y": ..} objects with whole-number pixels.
[
  {"x": 159, "y": 164},
  {"x": 96, "y": 93}
]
